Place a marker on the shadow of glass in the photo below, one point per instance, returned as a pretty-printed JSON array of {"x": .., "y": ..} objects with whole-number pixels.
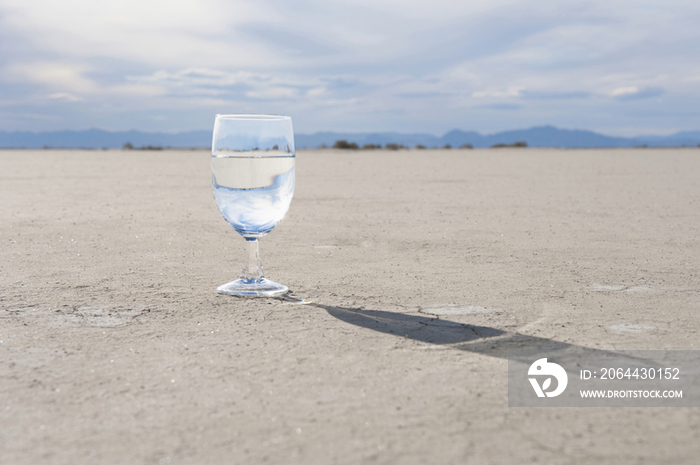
[
  {"x": 523, "y": 352},
  {"x": 477, "y": 339},
  {"x": 419, "y": 328}
]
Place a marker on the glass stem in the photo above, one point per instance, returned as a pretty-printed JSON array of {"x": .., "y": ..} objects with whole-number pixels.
[{"x": 253, "y": 270}]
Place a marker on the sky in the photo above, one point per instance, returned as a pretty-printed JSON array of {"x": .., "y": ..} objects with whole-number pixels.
[{"x": 617, "y": 67}]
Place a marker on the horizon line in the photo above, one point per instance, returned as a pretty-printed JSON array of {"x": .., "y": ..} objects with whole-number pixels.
[{"x": 115, "y": 131}]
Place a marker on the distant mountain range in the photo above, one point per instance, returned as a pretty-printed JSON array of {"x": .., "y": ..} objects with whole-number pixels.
[{"x": 543, "y": 136}]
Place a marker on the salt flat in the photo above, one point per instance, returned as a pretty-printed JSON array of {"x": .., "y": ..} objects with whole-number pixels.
[{"x": 116, "y": 348}]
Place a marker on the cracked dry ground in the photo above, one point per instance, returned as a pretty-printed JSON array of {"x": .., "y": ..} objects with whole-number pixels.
[{"x": 420, "y": 267}]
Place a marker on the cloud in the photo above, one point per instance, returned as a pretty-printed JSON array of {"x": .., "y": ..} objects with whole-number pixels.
[
  {"x": 499, "y": 93},
  {"x": 290, "y": 40},
  {"x": 53, "y": 75},
  {"x": 501, "y": 106},
  {"x": 620, "y": 91},
  {"x": 157, "y": 32},
  {"x": 635, "y": 93},
  {"x": 365, "y": 64},
  {"x": 65, "y": 96},
  {"x": 196, "y": 82},
  {"x": 70, "y": 83},
  {"x": 274, "y": 93},
  {"x": 136, "y": 90},
  {"x": 193, "y": 83},
  {"x": 202, "y": 81},
  {"x": 554, "y": 95},
  {"x": 423, "y": 95}
]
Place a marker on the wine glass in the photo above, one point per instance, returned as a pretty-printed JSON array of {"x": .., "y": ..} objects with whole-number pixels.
[{"x": 252, "y": 173}]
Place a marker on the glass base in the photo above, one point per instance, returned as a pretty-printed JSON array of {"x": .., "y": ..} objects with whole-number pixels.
[{"x": 252, "y": 288}]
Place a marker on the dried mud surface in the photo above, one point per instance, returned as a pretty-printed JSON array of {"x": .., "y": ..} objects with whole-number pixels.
[{"x": 116, "y": 348}]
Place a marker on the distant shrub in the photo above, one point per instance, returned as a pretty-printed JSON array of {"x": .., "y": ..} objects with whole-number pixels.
[
  {"x": 420, "y": 147},
  {"x": 447, "y": 146},
  {"x": 371, "y": 146},
  {"x": 520, "y": 144},
  {"x": 393, "y": 146},
  {"x": 466, "y": 146},
  {"x": 129, "y": 146},
  {"x": 343, "y": 144}
]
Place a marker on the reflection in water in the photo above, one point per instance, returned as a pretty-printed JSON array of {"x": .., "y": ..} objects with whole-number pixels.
[{"x": 254, "y": 212}]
